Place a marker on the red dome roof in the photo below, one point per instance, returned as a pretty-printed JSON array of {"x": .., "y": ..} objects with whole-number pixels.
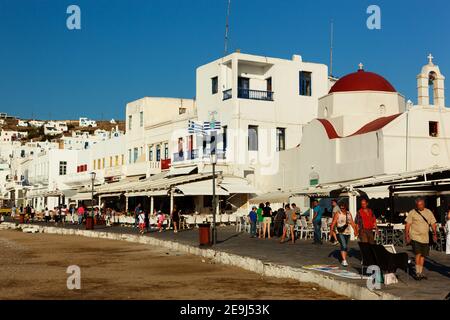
[{"x": 362, "y": 81}]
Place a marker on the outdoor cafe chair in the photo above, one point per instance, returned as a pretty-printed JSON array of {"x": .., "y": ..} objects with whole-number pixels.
[
  {"x": 325, "y": 229},
  {"x": 306, "y": 231}
]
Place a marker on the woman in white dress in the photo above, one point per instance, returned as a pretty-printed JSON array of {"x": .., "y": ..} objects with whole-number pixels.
[{"x": 447, "y": 230}]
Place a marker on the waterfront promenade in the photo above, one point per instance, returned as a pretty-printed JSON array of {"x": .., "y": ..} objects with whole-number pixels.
[{"x": 294, "y": 258}]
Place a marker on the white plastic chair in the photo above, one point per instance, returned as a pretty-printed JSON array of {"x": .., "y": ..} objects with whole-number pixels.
[
  {"x": 306, "y": 231},
  {"x": 324, "y": 229}
]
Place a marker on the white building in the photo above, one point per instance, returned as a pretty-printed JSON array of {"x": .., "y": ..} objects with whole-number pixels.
[
  {"x": 85, "y": 122},
  {"x": 36, "y": 123},
  {"x": 10, "y": 136},
  {"x": 366, "y": 129},
  {"x": 53, "y": 128},
  {"x": 22, "y": 123}
]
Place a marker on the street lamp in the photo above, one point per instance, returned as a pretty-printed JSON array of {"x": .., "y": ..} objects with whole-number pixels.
[
  {"x": 214, "y": 205},
  {"x": 93, "y": 174}
]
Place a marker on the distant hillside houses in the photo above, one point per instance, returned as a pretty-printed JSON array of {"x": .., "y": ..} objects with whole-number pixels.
[
  {"x": 86, "y": 123},
  {"x": 53, "y": 128}
]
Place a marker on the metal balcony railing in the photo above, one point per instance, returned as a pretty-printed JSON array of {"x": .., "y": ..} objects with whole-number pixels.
[
  {"x": 255, "y": 94},
  {"x": 249, "y": 94}
]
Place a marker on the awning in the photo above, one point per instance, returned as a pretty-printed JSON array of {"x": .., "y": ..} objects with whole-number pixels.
[
  {"x": 238, "y": 185},
  {"x": 111, "y": 195},
  {"x": 158, "y": 193},
  {"x": 69, "y": 193},
  {"x": 81, "y": 196},
  {"x": 181, "y": 171},
  {"x": 136, "y": 194},
  {"x": 118, "y": 186},
  {"x": 272, "y": 197},
  {"x": 201, "y": 188},
  {"x": 376, "y": 192}
]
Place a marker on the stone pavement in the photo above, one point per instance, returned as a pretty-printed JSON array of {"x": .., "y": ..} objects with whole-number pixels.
[{"x": 303, "y": 253}]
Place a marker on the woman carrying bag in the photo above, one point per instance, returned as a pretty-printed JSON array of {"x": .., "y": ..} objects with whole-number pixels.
[{"x": 342, "y": 222}]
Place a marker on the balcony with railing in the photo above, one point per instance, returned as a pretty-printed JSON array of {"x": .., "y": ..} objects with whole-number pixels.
[{"x": 249, "y": 94}]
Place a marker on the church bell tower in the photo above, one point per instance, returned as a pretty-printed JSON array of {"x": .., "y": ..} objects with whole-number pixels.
[{"x": 430, "y": 85}]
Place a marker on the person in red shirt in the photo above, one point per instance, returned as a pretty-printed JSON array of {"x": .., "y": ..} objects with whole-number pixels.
[{"x": 367, "y": 223}]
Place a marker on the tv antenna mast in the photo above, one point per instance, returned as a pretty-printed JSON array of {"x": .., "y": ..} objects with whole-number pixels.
[
  {"x": 227, "y": 28},
  {"x": 331, "y": 46}
]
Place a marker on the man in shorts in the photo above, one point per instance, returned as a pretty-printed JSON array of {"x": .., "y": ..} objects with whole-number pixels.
[{"x": 417, "y": 229}]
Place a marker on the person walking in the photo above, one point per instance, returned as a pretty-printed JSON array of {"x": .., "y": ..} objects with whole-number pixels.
[
  {"x": 367, "y": 223},
  {"x": 334, "y": 209},
  {"x": 289, "y": 224},
  {"x": 32, "y": 213},
  {"x": 253, "y": 219},
  {"x": 259, "y": 213},
  {"x": 418, "y": 224},
  {"x": 317, "y": 222},
  {"x": 267, "y": 215},
  {"x": 141, "y": 222},
  {"x": 13, "y": 212},
  {"x": 175, "y": 220},
  {"x": 137, "y": 211},
  {"x": 63, "y": 215},
  {"x": 342, "y": 222},
  {"x": 147, "y": 221},
  {"x": 160, "y": 217},
  {"x": 447, "y": 230},
  {"x": 279, "y": 221},
  {"x": 46, "y": 215},
  {"x": 81, "y": 213}
]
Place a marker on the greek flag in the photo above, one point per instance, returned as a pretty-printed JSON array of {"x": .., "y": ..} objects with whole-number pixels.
[
  {"x": 210, "y": 126},
  {"x": 194, "y": 127}
]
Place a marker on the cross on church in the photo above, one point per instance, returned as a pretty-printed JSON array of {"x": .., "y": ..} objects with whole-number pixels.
[
  {"x": 361, "y": 66},
  {"x": 430, "y": 58}
]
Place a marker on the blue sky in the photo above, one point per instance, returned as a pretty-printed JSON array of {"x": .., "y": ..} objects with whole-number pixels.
[{"x": 128, "y": 49}]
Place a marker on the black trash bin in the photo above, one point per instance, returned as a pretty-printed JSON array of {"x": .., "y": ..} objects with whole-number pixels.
[{"x": 204, "y": 234}]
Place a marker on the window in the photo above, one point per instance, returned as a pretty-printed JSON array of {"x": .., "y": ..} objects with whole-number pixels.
[
  {"x": 305, "y": 83},
  {"x": 141, "y": 119},
  {"x": 123, "y": 159},
  {"x": 116, "y": 162},
  {"x": 166, "y": 151},
  {"x": 62, "y": 168},
  {"x": 158, "y": 153},
  {"x": 150, "y": 153},
  {"x": 129, "y": 156},
  {"x": 94, "y": 166},
  {"x": 181, "y": 110},
  {"x": 135, "y": 154},
  {"x": 269, "y": 84},
  {"x": 103, "y": 163},
  {"x": 281, "y": 139},
  {"x": 110, "y": 161},
  {"x": 433, "y": 128},
  {"x": 99, "y": 166},
  {"x": 130, "y": 118},
  {"x": 214, "y": 85},
  {"x": 252, "y": 138}
]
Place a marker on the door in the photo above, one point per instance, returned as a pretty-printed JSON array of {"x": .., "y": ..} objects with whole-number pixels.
[{"x": 243, "y": 87}]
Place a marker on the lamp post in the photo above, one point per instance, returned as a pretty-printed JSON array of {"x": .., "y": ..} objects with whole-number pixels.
[
  {"x": 214, "y": 205},
  {"x": 90, "y": 217},
  {"x": 93, "y": 174}
]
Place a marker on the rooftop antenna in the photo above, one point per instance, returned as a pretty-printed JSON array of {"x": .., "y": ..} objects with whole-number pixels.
[
  {"x": 331, "y": 46},
  {"x": 227, "y": 28}
]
